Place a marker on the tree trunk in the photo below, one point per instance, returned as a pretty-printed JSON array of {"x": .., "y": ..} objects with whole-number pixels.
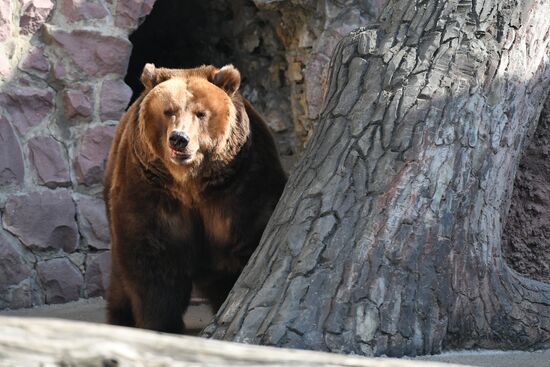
[
  {"x": 40, "y": 342},
  {"x": 387, "y": 238}
]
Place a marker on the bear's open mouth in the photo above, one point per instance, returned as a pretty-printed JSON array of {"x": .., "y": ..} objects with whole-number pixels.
[{"x": 179, "y": 155}]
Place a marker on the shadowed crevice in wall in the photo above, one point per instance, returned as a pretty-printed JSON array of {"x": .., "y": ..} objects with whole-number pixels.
[{"x": 526, "y": 237}]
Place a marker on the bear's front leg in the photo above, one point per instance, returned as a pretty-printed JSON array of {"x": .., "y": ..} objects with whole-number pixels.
[
  {"x": 159, "y": 306},
  {"x": 155, "y": 279}
]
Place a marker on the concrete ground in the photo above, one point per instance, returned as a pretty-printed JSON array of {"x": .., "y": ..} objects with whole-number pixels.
[{"x": 93, "y": 310}]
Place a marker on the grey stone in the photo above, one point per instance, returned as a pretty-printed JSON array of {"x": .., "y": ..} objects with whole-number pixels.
[
  {"x": 12, "y": 170},
  {"x": 114, "y": 98},
  {"x": 22, "y": 295},
  {"x": 98, "y": 270},
  {"x": 93, "y": 222},
  {"x": 61, "y": 280},
  {"x": 35, "y": 13},
  {"x": 47, "y": 159},
  {"x": 13, "y": 267},
  {"x": 43, "y": 220},
  {"x": 27, "y": 107},
  {"x": 92, "y": 154}
]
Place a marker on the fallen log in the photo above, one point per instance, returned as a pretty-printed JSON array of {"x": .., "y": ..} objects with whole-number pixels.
[{"x": 48, "y": 342}]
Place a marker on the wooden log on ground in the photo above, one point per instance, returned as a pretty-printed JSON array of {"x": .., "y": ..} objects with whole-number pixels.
[{"x": 48, "y": 342}]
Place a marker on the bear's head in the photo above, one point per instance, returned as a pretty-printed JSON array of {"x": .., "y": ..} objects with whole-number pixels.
[{"x": 190, "y": 118}]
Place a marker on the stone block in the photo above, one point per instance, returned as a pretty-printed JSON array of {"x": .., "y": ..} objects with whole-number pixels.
[
  {"x": 114, "y": 98},
  {"x": 93, "y": 52},
  {"x": 92, "y": 154},
  {"x": 77, "y": 102},
  {"x": 43, "y": 219},
  {"x": 98, "y": 270},
  {"x": 35, "y": 61},
  {"x": 34, "y": 14},
  {"x": 27, "y": 106},
  {"x": 93, "y": 222},
  {"x": 12, "y": 169},
  {"x": 61, "y": 280},
  {"x": 130, "y": 12},
  {"x": 48, "y": 161},
  {"x": 75, "y": 10},
  {"x": 13, "y": 267}
]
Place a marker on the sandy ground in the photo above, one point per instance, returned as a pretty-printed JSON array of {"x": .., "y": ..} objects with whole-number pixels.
[{"x": 93, "y": 310}]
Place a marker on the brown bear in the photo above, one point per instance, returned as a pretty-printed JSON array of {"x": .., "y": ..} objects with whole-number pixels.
[{"x": 192, "y": 178}]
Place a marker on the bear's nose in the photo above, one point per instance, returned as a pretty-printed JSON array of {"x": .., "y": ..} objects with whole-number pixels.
[{"x": 178, "y": 140}]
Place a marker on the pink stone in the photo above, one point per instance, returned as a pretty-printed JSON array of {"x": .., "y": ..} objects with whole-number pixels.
[
  {"x": 75, "y": 10},
  {"x": 5, "y": 20},
  {"x": 35, "y": 13},
  {"x": 129, "y": 12},
  {"x": 93, "y": 222},
  {"x": 43, "y": 220},
  {"x": 76, "y": 102},
  {"x": 59, "y": 70},
  {"x": 35, "y": 60},
  {"x": 50, "y": 166},
  {"x": 96, "y": 54},
  {"x": 61, "y": 280},
  {"x": 92, "y": 154},
  {"x": 114, "y": 98},
  {"x": 97, "y": 274},
  {"x": 27, "y": 107},
  {"x": 12, "y": 170}
]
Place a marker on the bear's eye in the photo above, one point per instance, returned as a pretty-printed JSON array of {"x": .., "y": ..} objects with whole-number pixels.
[
  {"x": 169, "y": 113},
  {"x": 200, "y": 114}
]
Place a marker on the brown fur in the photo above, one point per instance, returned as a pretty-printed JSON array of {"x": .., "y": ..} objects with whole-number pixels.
[{"x": 177, "y": 221}]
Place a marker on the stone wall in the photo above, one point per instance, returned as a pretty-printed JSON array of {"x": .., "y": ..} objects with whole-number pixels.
[{"x": 62, "y": 66}]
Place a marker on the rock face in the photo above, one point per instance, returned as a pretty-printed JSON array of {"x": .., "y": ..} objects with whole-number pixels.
[
  {"x": 94, "y": 53},
  {"x": 61, "y": 280},
  {"x": 97, "y": 274},
  {"x": 27, "y": 107},
  {"x": 92, "y": 154},
  {"x": 47, "y": 158},
  {"x": 35, "y": 13},
  {"x": 77, "y": 102},
  {"x": 43, "y": 219},
  {"x": 13, "y": 267},
  {"x": 93, "y": 222},
  {"x": 11, "y": 161},
  {"x": 114, "y": 98}
]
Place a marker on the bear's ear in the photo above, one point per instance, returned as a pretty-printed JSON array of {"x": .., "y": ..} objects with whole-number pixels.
[
  {"x": 228, "y": 78},
  {"x": 149, "y": 76}
]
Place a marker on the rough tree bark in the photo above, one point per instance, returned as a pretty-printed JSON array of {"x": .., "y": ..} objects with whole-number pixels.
[{"x": 387, "y": 238}]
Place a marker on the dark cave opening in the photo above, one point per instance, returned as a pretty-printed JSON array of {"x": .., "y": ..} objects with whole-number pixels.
[{"x": 184, "y": 34}]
